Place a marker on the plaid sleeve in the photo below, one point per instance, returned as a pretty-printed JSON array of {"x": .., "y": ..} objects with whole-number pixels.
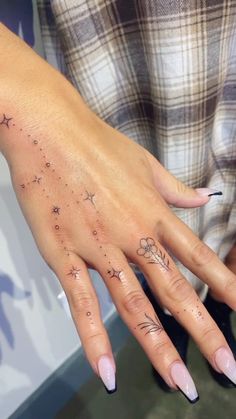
[{"x": 163, "y": 72}]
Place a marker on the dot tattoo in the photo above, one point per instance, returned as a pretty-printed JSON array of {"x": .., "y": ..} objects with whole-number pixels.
[
  {"x": 151, "y": 325},
  {"x": 150, "y": 251},
  {"x": 74, "y": 272},
  {"x": 5, "y": 121}
]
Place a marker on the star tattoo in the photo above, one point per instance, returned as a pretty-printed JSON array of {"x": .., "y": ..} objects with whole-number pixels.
[
  {"x": 90, "y": 197},
  {"x": 36, "y": 179},
  {"x": 5, "y": 121},
  {"x": 114, "y": 274},
  {"x": 56, "y": 210},
  {"x": 74, "y": 272}
]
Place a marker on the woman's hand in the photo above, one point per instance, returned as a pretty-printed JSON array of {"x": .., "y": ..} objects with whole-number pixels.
[{"x": 93, "y": 197}]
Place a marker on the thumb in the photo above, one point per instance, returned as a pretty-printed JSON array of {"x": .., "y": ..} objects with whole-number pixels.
[{"x": 175, "y": 192}]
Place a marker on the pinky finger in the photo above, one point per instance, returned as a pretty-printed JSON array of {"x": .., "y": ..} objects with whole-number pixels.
[{"x": 84, "y": 306}]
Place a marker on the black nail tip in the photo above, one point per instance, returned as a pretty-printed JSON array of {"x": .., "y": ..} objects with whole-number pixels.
[
  {"x": 216, "y": 194},
  {"x": 186, "y": 397},
  {"x": 194, "y": 401},
  {"x": 110, "y": 391}
]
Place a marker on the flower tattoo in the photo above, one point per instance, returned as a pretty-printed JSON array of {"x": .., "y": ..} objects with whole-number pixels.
[{"x": 150, "y": 251}]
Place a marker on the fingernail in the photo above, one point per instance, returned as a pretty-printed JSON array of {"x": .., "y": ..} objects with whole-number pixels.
[
  {"x": 208, "y": 192},
  {"x": 107, "y": 373},
  {"x": 226, "y": 363},
  {"x": 184, "y": 381}
]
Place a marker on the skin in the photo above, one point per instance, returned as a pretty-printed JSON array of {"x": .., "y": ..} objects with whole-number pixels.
[{"x": 94, "y": 198}]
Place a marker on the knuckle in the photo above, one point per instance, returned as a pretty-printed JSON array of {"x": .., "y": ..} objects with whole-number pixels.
[
  {"x": 179, "y": 289},
  {"x": 201, "y": 254},
  {"x": 135, "y": 302},
  {"x": 161, "y": 348},
  {"x": 230, "y": 286},
  {"x": 80, "y": 301},
  {"x": 93, "y": 338},
  {"x": 208, "y": 335}
]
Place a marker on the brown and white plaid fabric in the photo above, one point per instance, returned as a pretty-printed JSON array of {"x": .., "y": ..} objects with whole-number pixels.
[{"x": 164, "y": 73}]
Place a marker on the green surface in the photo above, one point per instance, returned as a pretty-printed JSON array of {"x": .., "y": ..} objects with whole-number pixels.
[{"x": 138, "y": 396}]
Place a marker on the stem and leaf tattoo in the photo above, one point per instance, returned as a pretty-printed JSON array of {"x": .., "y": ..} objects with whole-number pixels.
[
  {"x": 150, "y": 251},
  {"x": 151, "y": 325}
]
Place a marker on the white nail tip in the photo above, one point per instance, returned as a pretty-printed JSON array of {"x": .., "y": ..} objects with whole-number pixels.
[
  {"x": 107, "y": 372},
  {"x": 184, "y": 381}
]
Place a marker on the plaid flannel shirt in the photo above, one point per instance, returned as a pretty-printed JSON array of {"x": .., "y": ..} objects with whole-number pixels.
[{"x": 163, "y": 72}]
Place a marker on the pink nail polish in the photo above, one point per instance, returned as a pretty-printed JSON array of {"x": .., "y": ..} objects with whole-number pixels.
[
  {"x": 184, "y": 381},
  {"x": 107, "y": 373},
  {"x": 226, "y": 363},
  {"x": 208, "y": 192}
]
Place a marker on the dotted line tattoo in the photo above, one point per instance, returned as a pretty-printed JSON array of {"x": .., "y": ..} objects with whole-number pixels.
[{"x": 48, "y": 167}]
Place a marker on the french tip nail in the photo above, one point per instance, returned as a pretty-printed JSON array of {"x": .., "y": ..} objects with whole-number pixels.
[
  {"x": 107, "y": 373},
  {"x": 111, "y": 391},
  {"x": 184, "y": 381},
  {"x": 216, "y": 193},
  {"x": 192, "y": 401},
  {"x": 208, "y": 192},
  {"x": 226, "y": 363}
]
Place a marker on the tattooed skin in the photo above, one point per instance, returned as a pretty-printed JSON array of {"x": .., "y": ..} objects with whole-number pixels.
[
  {"x": 56, "y": 210},
  {"x": 150, "y": 251},
  {"x": 36, "y": 179},
  {"x": 5, "y": 121},
  {"x": 74, "y": 272},
  {"x": 90, "y": 197},
  {"x": 114, "y": 274},
  {"x": 151, "y": 325}
]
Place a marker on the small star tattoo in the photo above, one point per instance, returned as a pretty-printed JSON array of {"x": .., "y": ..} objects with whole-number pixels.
[
  {"x": 114, "y": 274},
  {"x": 36, "y": 179},
  {"x": 56, "y": 210},
  {"x": 74, "y": 272},
  {"x": 90, "y": 197},
  {"x": 5, "y": 121}
]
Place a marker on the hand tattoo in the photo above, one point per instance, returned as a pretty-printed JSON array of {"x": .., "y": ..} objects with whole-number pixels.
[
  {"x": 90, "y": 197},
  {"x": 149, "y": 250},
  {"x": 5, "y": 121},
  {"x": 74, "y": 272},
  {"x": 114, "y": 274},
  {"x": 151, "y": 325}
]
